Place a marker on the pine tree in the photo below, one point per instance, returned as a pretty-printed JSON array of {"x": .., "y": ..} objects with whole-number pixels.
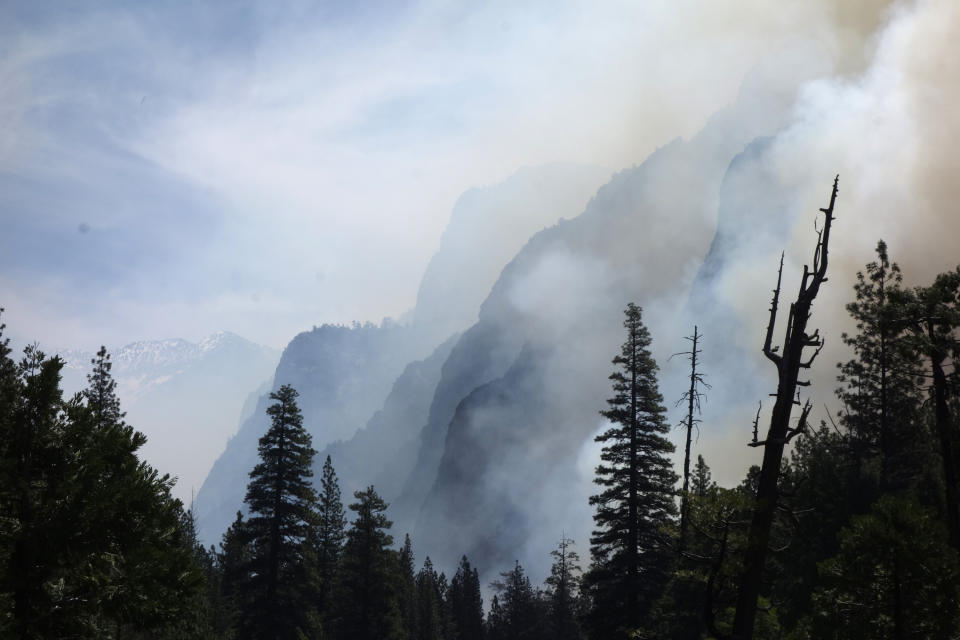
[
  {"x": 32, "y": 437},
  {"x": 366, "y": 598},
  {"x": 629, "y": 560},
  {"x": 563, "y": 591},
  {"x": 934, "y": 314},
  {"x": 879, "y": 389},
  {"x": 233, "y": 568},
  {"x": 329, "y": 533},
  {"x": 466, "y": 602},
  {"x": 430, "y": 603},
  {"x": 92, "y": 541},
  {"x": 140, "y": 571},
  {"x": 101, "y": 392},
  {"x": 521, "y": 613},
  {"x": 701, "y": 478},
  {"x": 407, "y": 591},
  {"x": 282, "y": 505},
  {"x": 496, "y": 623},
  {"x": 894, "y": 577}
]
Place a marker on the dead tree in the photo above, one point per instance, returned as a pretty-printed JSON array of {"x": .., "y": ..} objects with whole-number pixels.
[
  {"x": 693, "y": 397},
  {"x": 789, "y": 361}
]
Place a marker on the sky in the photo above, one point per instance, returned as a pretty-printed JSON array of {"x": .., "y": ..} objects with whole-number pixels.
[{"x": 170, "y": 170}]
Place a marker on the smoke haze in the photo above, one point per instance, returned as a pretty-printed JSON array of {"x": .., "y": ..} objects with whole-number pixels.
[{"x": 299, "y": 167}]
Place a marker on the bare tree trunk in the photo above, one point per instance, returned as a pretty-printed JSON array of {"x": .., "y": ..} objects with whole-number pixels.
[
  {"x": 693, "y": 402},
  {"x": 780, "y": 433}
]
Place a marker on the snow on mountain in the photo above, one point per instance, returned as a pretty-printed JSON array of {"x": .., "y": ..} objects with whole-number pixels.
[{"x": 185, "y": 397}]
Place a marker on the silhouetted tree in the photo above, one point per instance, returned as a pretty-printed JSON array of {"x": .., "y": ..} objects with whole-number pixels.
[
  {"x": 407, "y": 589},
  {"x": 329, "y": 533},
  {"x": 881, "y": 403},
  {"x": 630, "y": 560},
  {"x": 934, "y": 314},
  {"x": 692, "y": 396},
  {"x": 282, "y": 506},
  {"x": 233, "y": 567},
  {"x": 894, "y": 577},
  {"x": 466, "y": 602},
  {"x": 521, "y": 615},
  {"x": 788, "y": 363},
  {"x": 365, "y": 606},
  {"x": 701, "y": 478},
  {"x": 563, "y": 591},
  {"x": 432, "y": 623}
]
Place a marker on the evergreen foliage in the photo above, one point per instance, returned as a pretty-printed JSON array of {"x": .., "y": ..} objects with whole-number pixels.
[
  {"x": 433, "y": 621},
  {"x": 630, "y": 562},
  {"x": 466, "y": 602},
  {"x": 863, "y": 543},
  {"x": 563, "y": 591},
  {"x": 880, "y": 391},
  {"x": 329, "y": 534},
  {"x": 407, "y": 590},
  {"x": 521, "y": 613},
  {"x": 895, "y": 576},
  {"x": 91, "y": 541},
  {"x": 233, "y": 562},
  {"x": 282, "y": 504},
  {"x": 702, "y": 482},
  {"x": 366, "y": 606}
]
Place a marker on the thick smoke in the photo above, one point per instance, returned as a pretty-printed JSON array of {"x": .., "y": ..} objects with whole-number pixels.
[{"x": 877, "y": 112}]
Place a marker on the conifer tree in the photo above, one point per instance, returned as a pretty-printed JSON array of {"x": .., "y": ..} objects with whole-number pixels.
[
  {"x": 894, "y": 577},
  {"x": 91, "y": 538},
  {"x": 141, "y": 571},
  {"x": 466, "y": 602},
  {"x": 629, "y": 560},
  {"x": 407, "y": 589},
  {"x": 430, "y": 604},
  {"x": 521, "y": 612},
  {"x": 233, "y": 567},
  {"x": 563, "y": 591},
  {"x": 701, "y": 478},
  {"x": 879, "y": 389},
  {"x": 329, "y": 533},
  {"x": 496, "y": 624},
  {"x": 282, "y": 505},
  {"x": 32, "y": 451},
  {"x": 366, "y": 598}
]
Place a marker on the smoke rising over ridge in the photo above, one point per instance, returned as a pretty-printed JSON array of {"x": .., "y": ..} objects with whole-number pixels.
[{"x": 315, "y": 156}]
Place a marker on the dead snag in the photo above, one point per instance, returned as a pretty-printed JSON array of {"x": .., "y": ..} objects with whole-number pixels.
[
  {"x": 693, "y": 398},
  {"x": 789, "y": 362}
]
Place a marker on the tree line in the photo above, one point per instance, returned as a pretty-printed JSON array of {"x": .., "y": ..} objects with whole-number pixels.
[{"x": 853, "y": 531}]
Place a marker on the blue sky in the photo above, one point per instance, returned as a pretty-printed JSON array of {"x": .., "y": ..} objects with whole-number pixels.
[{"x": 170, "y": 170}]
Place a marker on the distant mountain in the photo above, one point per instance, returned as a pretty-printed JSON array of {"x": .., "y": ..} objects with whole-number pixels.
[
  {"x": 383, "y": 377},
  {"x": 186, "y": 397},
  {"x": 505, "y": 464}
]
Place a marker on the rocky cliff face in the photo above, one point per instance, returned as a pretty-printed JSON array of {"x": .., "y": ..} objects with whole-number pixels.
[
  {"x": 354, "y": 377},
  {"x": 505, "y": 464}
]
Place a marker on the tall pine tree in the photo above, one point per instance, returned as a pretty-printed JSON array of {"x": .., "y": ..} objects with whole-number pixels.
[
  {"x": 466, "y": 602},
  {"x": 365, "y": 606},
  {"x": 563, "y": 591},
  {"x": 282, "y": 505},
  {"x": 879, "y": 389},
  {"x": 328, "y": 534},
  {"x": 629, "y": 561}
]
